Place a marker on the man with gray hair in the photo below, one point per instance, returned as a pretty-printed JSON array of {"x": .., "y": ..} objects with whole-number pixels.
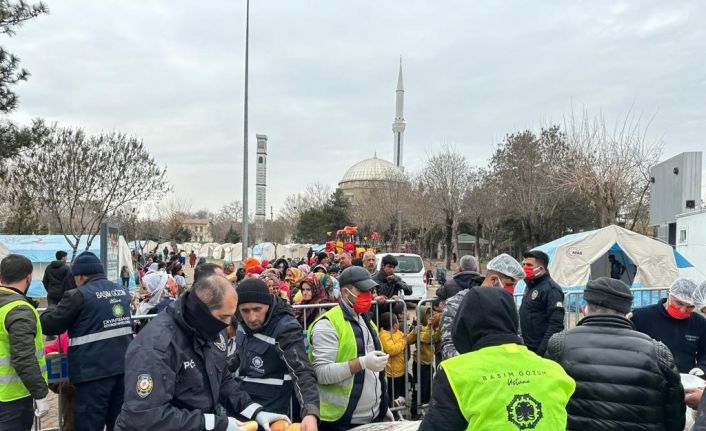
[
  {"x": 503, "y": 271},
  {"x": 624, "y": 379},
  {"x": 175, "y": 369},
  {"x": 468, "y": 276}
]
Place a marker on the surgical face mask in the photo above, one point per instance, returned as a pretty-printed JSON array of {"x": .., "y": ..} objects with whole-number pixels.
[
  {"x": 676, "y": 313},
  {"x": 509, "y": 287},
  {"x": 363, "y": 301}
]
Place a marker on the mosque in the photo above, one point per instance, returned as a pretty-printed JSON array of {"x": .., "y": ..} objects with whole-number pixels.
[{"x": 373, "y": 173}]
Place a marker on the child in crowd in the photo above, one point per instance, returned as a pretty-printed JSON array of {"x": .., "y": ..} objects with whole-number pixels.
[
  {"x": 423, "y": 358},
  {"x": 394, "y": 343}
]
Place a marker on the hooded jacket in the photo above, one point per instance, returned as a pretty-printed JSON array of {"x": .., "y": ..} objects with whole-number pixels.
[
  {"x": 487, "y": 326},
  {"x": 624, "y": 379},
  {"x": 273, "y": 362},
  {"x": 53, "y": 280},
  {"x": 173, "y": 376}
]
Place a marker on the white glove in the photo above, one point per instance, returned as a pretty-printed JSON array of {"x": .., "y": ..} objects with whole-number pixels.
[
  {"x": 42, "y": 407},
  {"x": 698, "y": 372},
  {"x": 374, "y": 361},
  {"x": 233, "y": 425},
  {"x": 266, "y": 418}
]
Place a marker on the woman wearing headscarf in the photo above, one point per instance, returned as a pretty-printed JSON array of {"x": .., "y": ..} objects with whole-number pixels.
[
  {"x": 293, "y": 277},
  {"x": 274, "y": 284},
  {"x": 312, "y": 293}
]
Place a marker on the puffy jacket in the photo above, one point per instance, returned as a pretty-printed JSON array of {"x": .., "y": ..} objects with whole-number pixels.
[
  {"x": 541, "y": 312},
  {"x": 173, "y": 376},
  {"x": 274, "y": 363},
  {"x": 624, "y": 379},
  {"x": 394, "y": 344},
  {"x": 53, "y": 280},
  {"x": 427, "y": 338}
]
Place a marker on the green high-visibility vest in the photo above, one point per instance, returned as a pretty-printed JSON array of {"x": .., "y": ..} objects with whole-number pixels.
[
  {"x": 11, "y": 387},
  {"x": 334, "y": 398},
  {"x": 509, "y": 388}
]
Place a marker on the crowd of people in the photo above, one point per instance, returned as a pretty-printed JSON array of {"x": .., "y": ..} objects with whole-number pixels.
[{"x": 324, "y": 341}]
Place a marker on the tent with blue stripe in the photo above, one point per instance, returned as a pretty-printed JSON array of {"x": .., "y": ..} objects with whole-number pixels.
[
  {"x": 577, "y": 258},
  {"x": 41, "y": 250}
]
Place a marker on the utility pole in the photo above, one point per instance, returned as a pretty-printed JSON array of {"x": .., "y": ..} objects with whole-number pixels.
[{"x": 245, "y": 136}]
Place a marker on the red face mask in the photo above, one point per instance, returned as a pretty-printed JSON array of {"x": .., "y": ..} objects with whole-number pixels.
[
  {"x": 677, "y": 313},
  {"x": 363, "y": 302},
  {"x": 510, "y": 288},
  {"x": 529, "y": 273}
]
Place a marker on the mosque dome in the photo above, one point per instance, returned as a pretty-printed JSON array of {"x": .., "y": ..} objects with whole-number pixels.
[{"x": 373, "y": 169}]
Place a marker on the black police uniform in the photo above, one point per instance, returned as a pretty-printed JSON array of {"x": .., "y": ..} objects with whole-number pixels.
[
  {"x": 541, "y": 312},
  {"x": 173, "y": 376}
]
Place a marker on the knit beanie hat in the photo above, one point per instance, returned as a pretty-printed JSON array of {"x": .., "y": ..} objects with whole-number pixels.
[
  {"x": 87, "y": 263},
  {"x": 609, "y": 293},
  {"x": 254, "y": 290}
]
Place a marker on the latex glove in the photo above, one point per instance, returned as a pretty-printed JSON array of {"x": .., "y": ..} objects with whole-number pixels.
[
  {"x": 309, "y": 423},
  {"x": 42, "y": 407},
  {"x": 233, "y": 425},
  {"x": 389, "y": 417},
  {"x": 374, "y": 361},
  {"x": 698, "y": 372},
  {"x": 266, "y": 418}
]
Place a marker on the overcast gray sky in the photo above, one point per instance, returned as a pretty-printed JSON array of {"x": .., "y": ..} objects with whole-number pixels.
[{"x": 323, "y": 76}]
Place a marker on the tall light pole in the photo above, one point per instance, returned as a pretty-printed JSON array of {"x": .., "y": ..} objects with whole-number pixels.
[{"x": 245, "y": 136}]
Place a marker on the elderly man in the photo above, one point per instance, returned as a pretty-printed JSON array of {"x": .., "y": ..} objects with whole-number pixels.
[
  {"x": 369, "y": 262},
  {"x": 347, "y": 357},
  {"x": 273, "y": 362},
  {"x": 503, "y": 271},
  {"x": 673, "y": 322},
  {"x": 496, "y": 383},
  {"x": 467, "y": 277},
  {"x": 175, "y": 370},
  {"x": 624, "y": 379}
]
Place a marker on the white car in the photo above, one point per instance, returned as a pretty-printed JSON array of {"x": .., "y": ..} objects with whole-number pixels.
[{"x": 410, "y": 268}]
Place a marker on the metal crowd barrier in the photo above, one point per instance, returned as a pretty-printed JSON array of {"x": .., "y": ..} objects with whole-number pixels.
[
  {"x": 419, "y": 400},
  {"x": 573, "y": 302}
]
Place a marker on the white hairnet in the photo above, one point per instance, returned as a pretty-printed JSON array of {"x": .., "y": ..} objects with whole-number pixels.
[
  {"x": 700, "y": 295},
  {"x": 506, "y": 265},
  {"x": 684, "y": 289}
]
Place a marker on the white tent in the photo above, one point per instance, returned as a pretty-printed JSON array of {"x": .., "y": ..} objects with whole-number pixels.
[
  {"x": 577, "y": 258},
  {"x": 125, "y": 255},
  {"x": 188, "y": 246},
  {"x": 236, "y": 253},
  {"x": 207, "y": 249},
  {"x": 3, "y": 251},
  {"x": 222, "y": 251},
  {"x": 265, "y": 250}
]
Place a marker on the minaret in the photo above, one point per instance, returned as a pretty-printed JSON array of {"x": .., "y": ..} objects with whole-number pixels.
[
  {"x": 261, "y": 189},
  {"x": 399, "y": 124}
]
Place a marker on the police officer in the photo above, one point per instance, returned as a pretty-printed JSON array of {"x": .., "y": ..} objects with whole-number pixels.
[
  {"x": 97, "y": 317},
  {"x": 495, "y": 383},
  {"x": 22, "y": 368},
  {"x": 274, "y": 362},
  {"x": 542, "y": 309},
  {"x": 176, "y": 373}
]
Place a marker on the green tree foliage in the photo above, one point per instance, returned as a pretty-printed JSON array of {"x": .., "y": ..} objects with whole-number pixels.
[
  {"x": 182, "y": 234},
  {"x": 315, "y": 222},
  {"x": 13, "y": 15},
  {"x": 232, "y": 236}
]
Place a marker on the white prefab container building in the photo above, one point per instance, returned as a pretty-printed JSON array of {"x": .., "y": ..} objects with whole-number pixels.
[{"x": 691, "y": 238}]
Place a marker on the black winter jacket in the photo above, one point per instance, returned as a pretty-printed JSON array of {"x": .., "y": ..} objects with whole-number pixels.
[
  {"x": 624, "y": 379},
  {"x": 173, "y": 376},
  {"x": 685, "y": 338},
  {"x": 271, "y": 356},
  {"x": 53, "y": 280},
  {"x": 541, "y": 312},
  {"x": 390, "y": 288}
]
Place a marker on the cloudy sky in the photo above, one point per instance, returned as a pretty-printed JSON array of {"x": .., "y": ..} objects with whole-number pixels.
[{"x": 323, "y": 74}]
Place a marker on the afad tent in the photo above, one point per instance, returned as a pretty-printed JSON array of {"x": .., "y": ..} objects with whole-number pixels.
[
  {"x": 574, "y": 259},
  {"x": 264, "y": 250},
  {"x": 41, "y": 250},
  {"x": 3, "y": 251}
]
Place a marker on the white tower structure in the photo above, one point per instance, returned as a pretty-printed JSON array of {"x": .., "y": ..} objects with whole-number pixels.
[
  {"x": 261, "y": 189},
  {"x": 398, "y": 125}
]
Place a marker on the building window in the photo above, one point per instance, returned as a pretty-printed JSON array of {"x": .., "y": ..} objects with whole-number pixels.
[
  {"x": 682, "y": 236},
  {"x": 259, "y": 159}
]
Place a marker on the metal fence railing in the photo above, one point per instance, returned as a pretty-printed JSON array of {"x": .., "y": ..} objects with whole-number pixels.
[{"x": 574, "y": 302}]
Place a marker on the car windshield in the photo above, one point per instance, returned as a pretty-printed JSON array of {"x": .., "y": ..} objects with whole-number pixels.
[{"x": 409, "y": 264}]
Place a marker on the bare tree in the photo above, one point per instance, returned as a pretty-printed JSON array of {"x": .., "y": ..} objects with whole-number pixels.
[
  {"x": 447, "y": 177},
  {"x": 81, "y": 179},
  {"x": 610, "y": 166},
  {"x": 230, "y": 214},
  {"x": 315, "y": 195}
]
